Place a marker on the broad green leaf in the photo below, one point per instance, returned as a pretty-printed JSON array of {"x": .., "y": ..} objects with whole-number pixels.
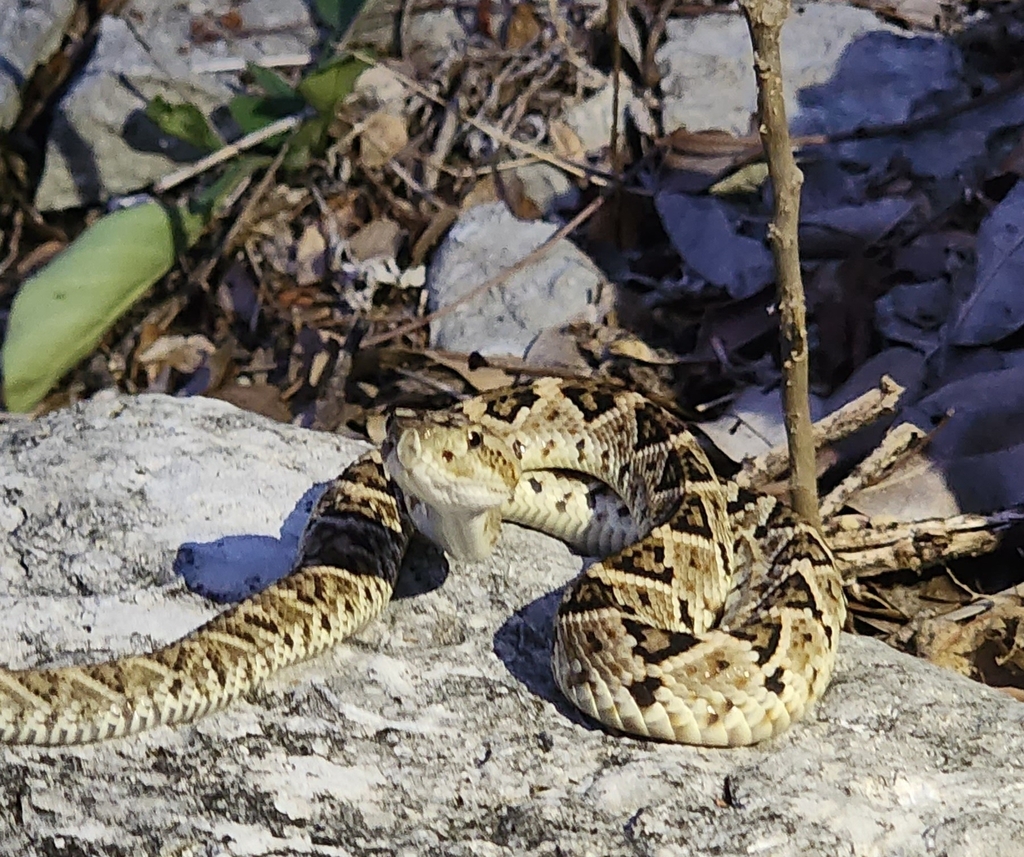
[
  {"x": 309, "y": 141},
  {"x": 747, "y": 180},
  {"x": 237, "y": 171},
  {"x": 185, "y": 122},
  {"x": 60, "y": 313},
  {"x": 338, "y": 15},
  {"x": 270, "y": 81},
  {"x": 326, "y": 86},
  {"x": 253, "y": 112}
]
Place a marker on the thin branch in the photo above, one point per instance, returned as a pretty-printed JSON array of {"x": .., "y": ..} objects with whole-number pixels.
[
  {"x": 894, "y": 448},
  {"x": 865, "y": 547},
  {"x": 580, "y": 171},
  {"x": 765, "y": 19},
  {"x": 229, "y": 151},
  {"x": 840, "y": 424}
]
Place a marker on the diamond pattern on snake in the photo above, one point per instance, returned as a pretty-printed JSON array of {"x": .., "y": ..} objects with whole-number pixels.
[{"x": 713, "y": 620}]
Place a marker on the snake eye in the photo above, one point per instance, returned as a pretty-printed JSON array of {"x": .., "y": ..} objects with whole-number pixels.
[{"x": 474, "y": 438}]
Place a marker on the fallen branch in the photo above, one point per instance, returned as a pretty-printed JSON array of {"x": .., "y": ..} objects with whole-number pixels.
[
  {"x": 893, "y": 449},
  {"x": 865, "y": 547},
  {"x": 840, "y": 424}
]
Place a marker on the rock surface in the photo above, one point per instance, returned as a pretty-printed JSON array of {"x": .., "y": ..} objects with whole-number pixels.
[
  {"x": 564, "y": 285},
  {"x": 27, "y": 38},
  {"x": 715, "y": 50},
  {"x": 438, "y": 729},
  {"x": 99, "y": 143}
]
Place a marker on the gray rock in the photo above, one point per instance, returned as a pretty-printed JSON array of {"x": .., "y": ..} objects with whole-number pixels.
[
  {"x": 485, "y": 240},
  {"x": 591, "y": 119},
  {"x": 436, "y": 730},
  {"x": 100, "y": 144},
  {"x": 432, "y": 35},
  {"x": 549, "y": 188},
  {"x": 375, "y": 26},
  {"x": 707, "y": 66},
  {"x": 28, "y": 37}
]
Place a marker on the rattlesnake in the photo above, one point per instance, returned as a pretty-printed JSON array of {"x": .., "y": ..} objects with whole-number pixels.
[{"x": 715, "y": 624}]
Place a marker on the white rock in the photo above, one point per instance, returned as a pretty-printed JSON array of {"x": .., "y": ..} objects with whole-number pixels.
[
  {"x": 101, "y": 143},
  {"x": 485, "y": 240},
  {"x": 437, "y": 729},
  {"x": 706, "y": 63},
  {"x": 28, "y": 37}
]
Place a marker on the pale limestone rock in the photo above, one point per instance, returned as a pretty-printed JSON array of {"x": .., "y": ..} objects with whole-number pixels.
[{"x": 437, "y": 730}]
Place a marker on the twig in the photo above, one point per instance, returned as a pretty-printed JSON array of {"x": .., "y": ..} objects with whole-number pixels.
[
  {"x": 765, "y": 19},
  {"x": 613, "y": 33},
  {"x": 229, "y": 151},
  {"x": 578, "y": 170},
  {"x": 864, "y": 547},
  {"x": 222, "y": 65},
  {"x": 850, "y": 418},
  {"x": 748, "y": 150},
  {"x": 14, "y": 241},
  {"x": 242, "y": 221},
  {"x": 893, "y": 448}
]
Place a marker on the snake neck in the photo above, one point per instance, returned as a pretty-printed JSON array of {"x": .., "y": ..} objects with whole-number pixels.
[{"x": 464, "y": 536}]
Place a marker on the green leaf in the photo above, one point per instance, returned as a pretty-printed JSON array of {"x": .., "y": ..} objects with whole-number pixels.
[
  {"x": 61, "y": 313},
  {"x": 209, "y": 201},
  {"x": 185, "y": 122},
  {"x": 253, "y": 112},
  {"x": 326, "y": 86},
  {"x": 338, "y": 15},
  {"x": 270, "y": 81},
  {"x": 309, "y": 141},
  {"x": 746, "y": 180}
]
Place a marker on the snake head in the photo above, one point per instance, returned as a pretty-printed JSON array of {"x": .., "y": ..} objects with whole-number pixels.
[{"x": 456, "y": 478}]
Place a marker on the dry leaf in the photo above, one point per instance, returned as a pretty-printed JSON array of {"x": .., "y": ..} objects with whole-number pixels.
[
  {"x": 484, "y": 191},
  {"x": 181, "y": 353},
  {"x": 512, "y": 191},
  {"x": 707, "y": 236},
  {"x": 566, "y": 142},
  {"x": 259, "y": 398},
  {"x": 38, "y": 257},
  {"x": 380, "y": 238},
  {"x": 915, "y": 491},
  {"x": 439, "y": 223},
  {"x": 310, "y": 256},
  {"x": 481, "y": 377},
  {"x": 995, "y": 307},
  {"x": 556, "y": 348},
  {"x": 984, "y": 640},
  {"x": 384, "y": 135},
  {"x": 912, "y": 14},
  {"x": 376, "y": 427},
  {"x": 633, "y": 347},
  {"x": 727, "y": 328},
  {"x": 522, "y": 28}
]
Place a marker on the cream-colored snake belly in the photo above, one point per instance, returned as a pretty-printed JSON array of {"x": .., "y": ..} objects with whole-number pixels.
[{"x": 716, "y": 624}]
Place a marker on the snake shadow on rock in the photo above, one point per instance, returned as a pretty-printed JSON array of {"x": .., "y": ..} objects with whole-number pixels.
[
  {"x": 523, "y": 644},
  {"x": 232, "y": 568}
]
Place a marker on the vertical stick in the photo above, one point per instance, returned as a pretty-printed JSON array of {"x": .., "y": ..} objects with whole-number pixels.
[{"x": 765, "y": 19}]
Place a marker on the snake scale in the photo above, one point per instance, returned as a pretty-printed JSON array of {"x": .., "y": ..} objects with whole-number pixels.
[{"x": 714, "y": 621}]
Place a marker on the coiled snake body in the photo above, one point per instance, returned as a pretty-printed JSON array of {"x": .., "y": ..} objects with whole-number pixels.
[{"x": 714, "y": 621}]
